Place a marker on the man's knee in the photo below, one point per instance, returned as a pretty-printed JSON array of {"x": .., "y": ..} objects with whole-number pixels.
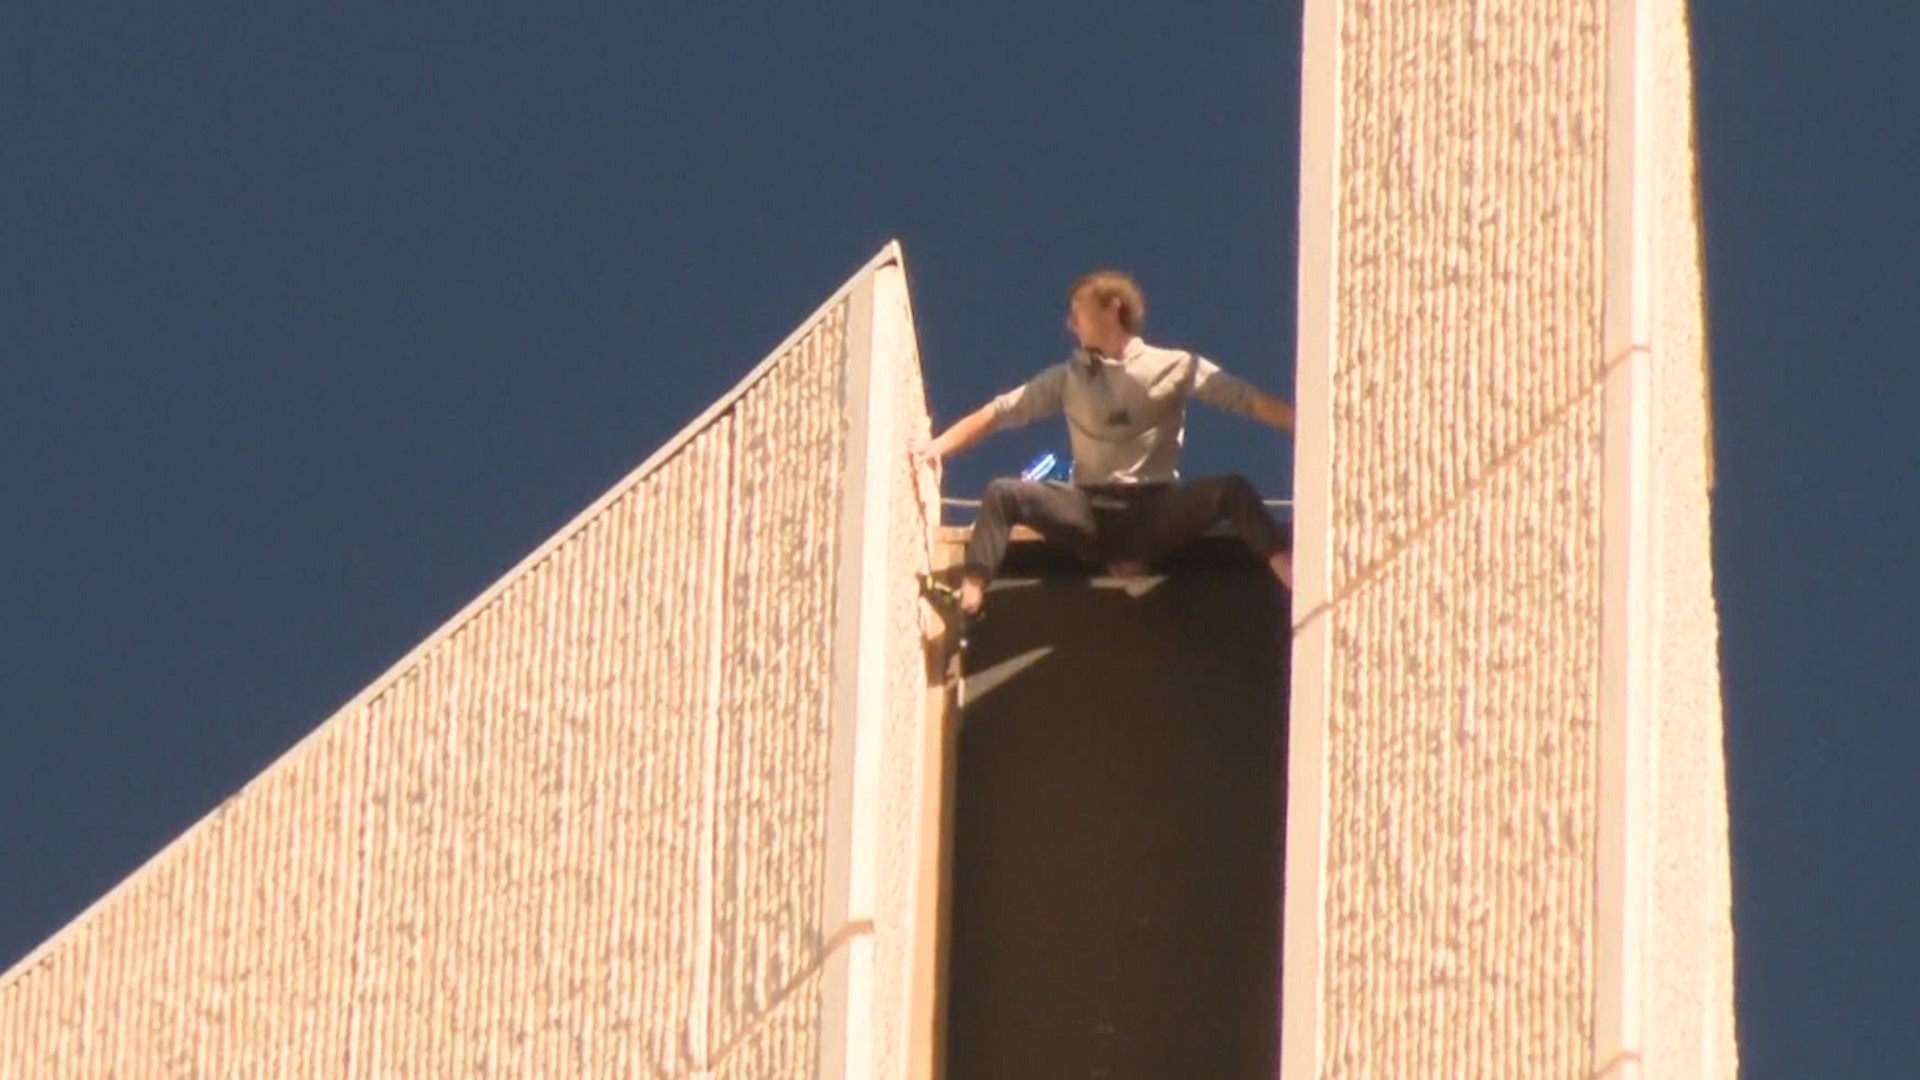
[
  {"x": 1010, "y": 501},
  {"x": 1239, "y": 503},
  {"x": 1234, "y": 491},
  {"x": 1003, "y": 493}
]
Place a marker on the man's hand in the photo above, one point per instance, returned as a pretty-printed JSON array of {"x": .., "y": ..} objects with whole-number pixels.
[
  {"x": 969, "y": 430},
  {"x": 1272, "y": 411},
  {"x": 925, "y": 452}
]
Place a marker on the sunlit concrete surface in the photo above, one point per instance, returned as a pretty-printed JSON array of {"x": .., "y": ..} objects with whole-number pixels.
[
  {"x": 1688, "y": 1003},
  {"x": 1507, "y": 824},
  {"x": 631, "y": 813}
]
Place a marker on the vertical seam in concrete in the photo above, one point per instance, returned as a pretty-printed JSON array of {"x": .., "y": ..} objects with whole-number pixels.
[
  {"x": 1622, "y": 823},
  {"x": 706, "y": 888},
  {"x": 1304, "y": 902},
  {"x": 859, "y": 696},
  {"x": 350, "y": 1046}
]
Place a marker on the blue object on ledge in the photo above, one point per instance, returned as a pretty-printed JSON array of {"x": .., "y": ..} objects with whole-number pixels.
[{"x": 1046, "y": 467}]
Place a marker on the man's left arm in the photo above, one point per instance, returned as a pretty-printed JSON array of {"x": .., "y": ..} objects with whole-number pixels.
[{"x": 1224, "y": 390}]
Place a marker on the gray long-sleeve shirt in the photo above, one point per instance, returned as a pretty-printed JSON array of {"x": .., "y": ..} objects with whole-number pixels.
[{"x": 1127, "y": 415}]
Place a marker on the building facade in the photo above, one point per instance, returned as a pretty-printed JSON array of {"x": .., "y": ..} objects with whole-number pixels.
[
  {"x": 634, "y": 812},
  {"x": 1507, "y": 834}
]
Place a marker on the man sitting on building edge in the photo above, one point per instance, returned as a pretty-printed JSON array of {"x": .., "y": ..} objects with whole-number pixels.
[{"x": 1125, "y": 403}]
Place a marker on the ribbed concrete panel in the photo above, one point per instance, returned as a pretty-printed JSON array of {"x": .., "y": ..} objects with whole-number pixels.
[
  {"x": 1444, "y": 796},
  {"x": 535, "y": 839},
  {"x": 1460, "y": 828},
  {"x": 174, "y": 968},
  {"x": 1691, "y": 1026},
  {"x": 272, "y": 951},
  {"x": 775, "y": 733},
  {"x": 579, "y": 831},
  {"x": 776, "y": 1044},
  {"x": 1470, "y": 152}
]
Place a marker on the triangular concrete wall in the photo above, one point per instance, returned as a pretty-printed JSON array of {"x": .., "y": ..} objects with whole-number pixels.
[{"x": 624, "y": 815}]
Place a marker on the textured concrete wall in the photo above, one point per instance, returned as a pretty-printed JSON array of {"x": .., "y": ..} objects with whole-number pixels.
[
  {"x": 1456, "y": 596},
  {"x": 588, "y": 828},
  {"x": 1475, "y": 738},
  {"x": 1689, "y": 1002},
  {"x": 908, "y": 767},
  {"x": 871, "y": 990}
]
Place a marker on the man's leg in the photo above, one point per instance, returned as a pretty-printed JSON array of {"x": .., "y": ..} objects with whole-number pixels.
[
  {"x": 1188, "y": 510},
  {"x": 1060, "y": 514}
]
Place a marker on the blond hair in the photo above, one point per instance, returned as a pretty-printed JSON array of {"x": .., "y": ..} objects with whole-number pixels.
[{"x": 1113, "y": 287}]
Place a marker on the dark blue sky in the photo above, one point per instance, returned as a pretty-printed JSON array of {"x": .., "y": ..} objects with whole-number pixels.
[{"x": 312, "y": 322}]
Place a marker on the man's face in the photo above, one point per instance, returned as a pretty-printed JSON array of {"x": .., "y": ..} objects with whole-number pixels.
[{"x": 1090, "y": 322}]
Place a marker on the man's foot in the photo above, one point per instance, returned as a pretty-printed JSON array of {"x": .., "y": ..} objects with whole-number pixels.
[
  {"x": 1282, "y": 564},
  {"x": 973, "y": 594},
  {"x": 1127, "y": 569},
  {"x": 950, "y": 609}
]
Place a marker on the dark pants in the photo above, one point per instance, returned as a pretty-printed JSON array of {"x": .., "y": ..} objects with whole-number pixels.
[{"x": 1121, "y": 522}]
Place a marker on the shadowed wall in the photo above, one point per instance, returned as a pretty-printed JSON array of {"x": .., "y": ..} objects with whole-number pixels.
[{"x": 1116, "y": 871}]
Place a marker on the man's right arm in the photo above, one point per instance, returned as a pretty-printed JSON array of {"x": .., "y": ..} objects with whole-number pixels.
[
  {"x": 965, "y": 432},
  {"x": 1037, "y": 397}
]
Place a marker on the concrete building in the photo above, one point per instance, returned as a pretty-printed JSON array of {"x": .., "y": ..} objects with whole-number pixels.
[
  {"x": 1507, "y": 850},
  {"x": 634, "y": 812}
]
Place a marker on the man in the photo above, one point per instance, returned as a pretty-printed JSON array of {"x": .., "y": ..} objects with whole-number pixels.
[{"x": 1125, "y": 404}]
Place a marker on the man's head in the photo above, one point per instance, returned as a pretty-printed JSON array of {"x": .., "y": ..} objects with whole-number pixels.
[{"x": 1105, "y": 309}]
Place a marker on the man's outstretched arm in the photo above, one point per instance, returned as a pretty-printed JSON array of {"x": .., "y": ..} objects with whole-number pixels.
[
  {"x": 1037, "y": 397},
  {"x": 964, "y": 433},
  {"x": 1269, "y": 410},
  {"x": 1227, "y": 391}
]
